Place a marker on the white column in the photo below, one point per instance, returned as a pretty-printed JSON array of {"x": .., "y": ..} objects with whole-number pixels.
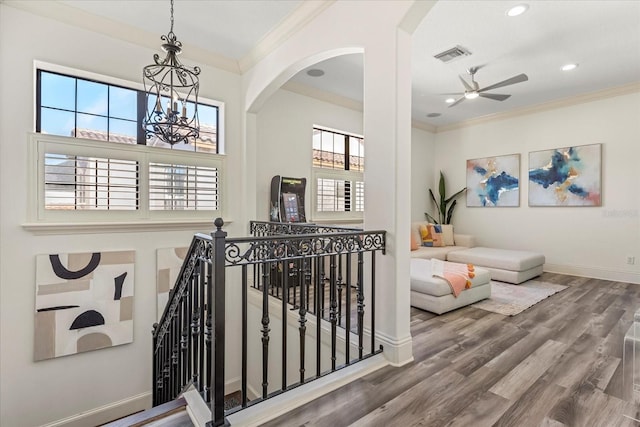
[{"x": 387, "y": 131}]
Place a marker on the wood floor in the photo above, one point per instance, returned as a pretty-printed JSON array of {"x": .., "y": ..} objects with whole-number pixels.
[{"x": 557, "y": 364}]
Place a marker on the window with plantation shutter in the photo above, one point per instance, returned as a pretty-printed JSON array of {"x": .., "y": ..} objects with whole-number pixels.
[
  {"x": 87, "y": 180},
  {"x": 182, "y": 187},
  {"x": 89, "y": 183},
  {"x": 338, "y": 175}
]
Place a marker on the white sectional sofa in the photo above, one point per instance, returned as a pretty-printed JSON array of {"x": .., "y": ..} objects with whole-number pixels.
[{"x": 460, "y": 241}]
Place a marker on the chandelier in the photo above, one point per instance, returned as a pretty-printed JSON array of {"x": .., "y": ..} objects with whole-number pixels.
[{"x": 172, "y": 95}]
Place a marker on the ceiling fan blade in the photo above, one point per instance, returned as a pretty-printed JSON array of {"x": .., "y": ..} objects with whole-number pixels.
[
  {"x": 513, "y": 80},
  {"x": 494, "y": 96},
  {"x": 466, "y": 85},
  {"x": 457, "y": 101},
  {"x": 452, "y": 94}
]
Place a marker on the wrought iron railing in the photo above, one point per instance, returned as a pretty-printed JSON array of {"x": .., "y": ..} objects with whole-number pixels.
[{"x": 325, "y": 275}]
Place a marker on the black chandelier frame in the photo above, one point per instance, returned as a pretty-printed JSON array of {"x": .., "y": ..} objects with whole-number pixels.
[{"x": 171, "y": 95}]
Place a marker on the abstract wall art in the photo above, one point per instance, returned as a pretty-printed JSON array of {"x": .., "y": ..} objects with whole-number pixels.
[
  {"x": 569, "y": 176},
  {"x": 493, "y": 181},
  {"x": 169, "y": 263},
  {"x": 84, "y": 302}
]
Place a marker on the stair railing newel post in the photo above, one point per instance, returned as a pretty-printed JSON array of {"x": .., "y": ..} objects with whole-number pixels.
[{"x": 217, "y": 292}]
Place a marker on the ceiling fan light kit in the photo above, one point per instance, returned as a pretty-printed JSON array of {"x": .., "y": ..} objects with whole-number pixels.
[
  {"x": 473, "y": 90},
  {"x": 517, "y": 10}
]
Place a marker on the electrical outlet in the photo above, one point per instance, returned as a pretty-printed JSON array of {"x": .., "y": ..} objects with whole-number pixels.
[{"x": 631, "y": 260}]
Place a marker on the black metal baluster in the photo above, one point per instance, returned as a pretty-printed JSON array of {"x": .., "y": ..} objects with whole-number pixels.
[
  {"x": 360, "y": 298},
  {"x": 265, "y": 332},
  {"x": 340, "y": 286},
  {"x": 307, "y": 281},
  {"x": 294, "y": 280},
  {"x": 322, "y": 284},
  {"x": 154, "y": 368},
  {"x": 333, "y": 309},
  {"x": 195, "y": 328},
  {"x": 208, "y": 338},
  {"x": 173, "y": 380},
  {"x": 166, "y": 391},
  {"x": 285, "y": 306},
  {"x": 202, "y": 317},
  {"x": 373, "y": 301},
  {"x": 348, "y": 312},
  {"x": 244, "y": 336},
  {"x": 184, "y": 337},
  {"x": 188, "y": 322},
  {"x": 319, "y": 289},
  {"x": 303, "y": 328}
]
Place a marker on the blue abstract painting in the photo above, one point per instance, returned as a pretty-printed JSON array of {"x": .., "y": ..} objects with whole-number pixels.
[
  {"x": 493, "y": 181},
  {"x": 568, "y": 176}
]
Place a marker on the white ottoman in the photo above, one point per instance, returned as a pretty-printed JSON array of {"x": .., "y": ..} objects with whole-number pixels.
[
  {"x": 505, "y": 265},
  {"x": 434, "y": 294}
]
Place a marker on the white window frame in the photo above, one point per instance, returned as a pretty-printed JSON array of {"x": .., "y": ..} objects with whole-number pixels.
[
  {"x": 54, "y": 68},
  {"x": 336, "y": 174},
  {"x": 39, "y": 144},
  {"x": 51, "y": 221}
]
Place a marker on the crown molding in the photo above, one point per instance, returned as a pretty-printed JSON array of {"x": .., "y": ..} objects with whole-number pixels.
[
  {"x": 561, "y": 103},
  {"x": 322, "y": 95},
  {"x": 423, "y": 126},
  {"x": 79, "y": 18},
  {"x": 296, "y": 20}
]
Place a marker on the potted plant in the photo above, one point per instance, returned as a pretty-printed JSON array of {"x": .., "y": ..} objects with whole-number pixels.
[{"x": 444, "y": 209}]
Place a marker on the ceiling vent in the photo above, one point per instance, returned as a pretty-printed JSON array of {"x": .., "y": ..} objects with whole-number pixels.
[{"x": 451, "y": 54}]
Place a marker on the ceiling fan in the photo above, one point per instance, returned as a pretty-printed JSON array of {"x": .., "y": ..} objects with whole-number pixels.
[{"x": 473, "y": 90}]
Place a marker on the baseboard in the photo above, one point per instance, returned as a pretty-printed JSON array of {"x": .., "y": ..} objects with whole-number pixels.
[
  {"x": 106, "y": 413},
  {"x": 397, "y": 352},
  {"x": 272, "y": 408},
  {"x": 594, "y": 272}
]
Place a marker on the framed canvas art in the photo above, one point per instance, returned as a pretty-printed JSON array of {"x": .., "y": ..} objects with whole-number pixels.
[
  {"x": 84, "y": 302},
  {"x": 493, "y": 181},
  {"x": 569, "y": 176}
]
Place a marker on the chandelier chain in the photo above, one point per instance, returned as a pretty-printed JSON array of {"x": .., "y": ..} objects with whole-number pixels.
[{"x": 171, "y": 17}]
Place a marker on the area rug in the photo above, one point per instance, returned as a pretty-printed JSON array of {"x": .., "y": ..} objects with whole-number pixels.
[{"x": 510, "y": 299}]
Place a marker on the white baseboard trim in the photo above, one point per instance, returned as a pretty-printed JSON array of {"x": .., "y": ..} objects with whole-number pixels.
[
  {"x": 281, "y": 404},
  {"x": 398, "y": 352},
  {"x": 232, "y": 385},
  {"x": 106, "y": 413},
  {"x": 593, "y": 272}
]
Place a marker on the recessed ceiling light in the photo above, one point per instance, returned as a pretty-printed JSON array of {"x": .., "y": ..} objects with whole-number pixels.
[
  {"x": 517, "y": 10},
  {"x": 450, "y": 100},
  {"x": 434, "y": 115},
  {"x": 569, "y": 67},
  {"x": 315, "y": 72}
]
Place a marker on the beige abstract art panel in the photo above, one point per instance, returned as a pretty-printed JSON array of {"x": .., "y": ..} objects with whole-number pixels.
[
  {"x": 169, "y": 263},
  {"x": 84, "y": 302}
]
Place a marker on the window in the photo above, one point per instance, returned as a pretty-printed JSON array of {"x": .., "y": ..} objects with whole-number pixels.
[
  {"x": 72, "y": 106},
  {"x": 92, "y": 155},
  {"x": 338, "y": 166},
  {"x": 83, "y": 183}
]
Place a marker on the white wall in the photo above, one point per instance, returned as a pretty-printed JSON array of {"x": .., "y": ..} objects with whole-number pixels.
[
  {"x": 590, "y": 241},
  {"x": 285, "y": 125},
  {"x": 423, "y": 171},
  {"x": 37, "y": 393}
]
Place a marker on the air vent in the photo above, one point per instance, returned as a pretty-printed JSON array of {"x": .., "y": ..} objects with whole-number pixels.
[{"x": 451, "y": 54}]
